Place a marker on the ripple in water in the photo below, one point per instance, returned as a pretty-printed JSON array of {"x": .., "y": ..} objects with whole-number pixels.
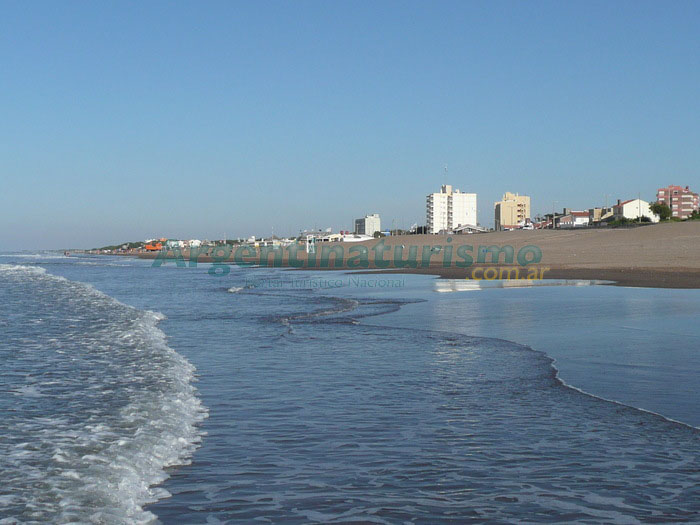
[
  {"x": 313, "y": 418},
  {"x": 338, "y": 422}
]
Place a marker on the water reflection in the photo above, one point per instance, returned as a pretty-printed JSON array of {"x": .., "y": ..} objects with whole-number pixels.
[{"x": 468, "y": 285}]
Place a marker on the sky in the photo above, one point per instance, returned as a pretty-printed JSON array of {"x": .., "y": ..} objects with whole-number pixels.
[{"x": 130, "y": 120}]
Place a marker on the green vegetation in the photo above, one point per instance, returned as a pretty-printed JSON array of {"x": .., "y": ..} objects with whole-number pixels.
[
  {"x": 618, "y": 222},
  {"x": 661, "y": 209},
  {"x": 628, "y": 222},
  {"x": 127, "y": 245}
]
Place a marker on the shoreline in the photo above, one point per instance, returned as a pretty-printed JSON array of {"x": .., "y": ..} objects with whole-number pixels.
[
  {"x": 654, "y": 256},
  {"x": 625, "y": 277},
  {"x": 640, "y": 277}
]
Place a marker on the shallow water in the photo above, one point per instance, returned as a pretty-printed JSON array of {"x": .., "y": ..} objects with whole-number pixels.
[
  {"x": 325, "y": 404},
  {"x": 95, "y": 403}
]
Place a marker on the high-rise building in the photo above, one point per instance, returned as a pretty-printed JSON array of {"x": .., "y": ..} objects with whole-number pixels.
[
  {"x": 450, "y": 209},
  {"x": 512, "y": 211},
  {"x": 368, "y": 225},
  {"x": 682, "y": 201}
]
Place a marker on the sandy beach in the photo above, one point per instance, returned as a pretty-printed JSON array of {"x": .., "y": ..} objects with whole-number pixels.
[{"x": 663, "y": 255}]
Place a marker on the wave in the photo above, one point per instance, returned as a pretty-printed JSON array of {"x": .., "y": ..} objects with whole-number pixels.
[
  {"x": 45, "y": 255},
  {"x": 429, "y": 412},
  {"x": 118, "y": 405},
  {"x": 364, "y": 308},
  {"x": 607, "y": 400},
  {"x": 19, "y": 269}
]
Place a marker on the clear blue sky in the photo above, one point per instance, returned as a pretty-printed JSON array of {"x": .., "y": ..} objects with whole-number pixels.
[{"x": 126, "y": 120}]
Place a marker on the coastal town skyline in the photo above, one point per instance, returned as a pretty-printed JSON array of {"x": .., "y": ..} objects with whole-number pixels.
[
  {"x": 124, "y": 122},
  {"x": 448, "y": 212}
]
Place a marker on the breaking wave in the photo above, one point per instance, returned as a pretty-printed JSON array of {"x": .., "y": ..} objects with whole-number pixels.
[{"x": 99, "y": 405}]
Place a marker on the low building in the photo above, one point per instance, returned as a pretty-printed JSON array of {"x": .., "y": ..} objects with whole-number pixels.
[
  {"x": 682, "y": 201},
  {"x": 368, "y": 225},
  {"x": 320, "y": 236},
  {"x": 633, "y": 209},
  {"x": 469, "y": 229},
  {"x": 551, "y": 220},
  {"x": 599, "y": 215},
  {"x": 355, "y": 237},
  {"x": 273, "y": 242},
  {"x": 574, "y": 219},
  {"x": 511, "y": 212}
]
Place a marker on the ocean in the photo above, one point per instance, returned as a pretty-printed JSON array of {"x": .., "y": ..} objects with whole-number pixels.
[{"x": 133, "y": 394}]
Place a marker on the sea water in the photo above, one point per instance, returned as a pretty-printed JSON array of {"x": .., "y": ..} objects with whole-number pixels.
[{"x": 134, "y": 394}]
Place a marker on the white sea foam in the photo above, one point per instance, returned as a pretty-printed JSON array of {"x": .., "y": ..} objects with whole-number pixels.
[
  {"x": 585, "y": 393},
  {"x": 34, "y": 255},
  {"x": 28, "y": 390},
  {"x": 98, "y": 463},
  {"x": 21, "y": 269}
]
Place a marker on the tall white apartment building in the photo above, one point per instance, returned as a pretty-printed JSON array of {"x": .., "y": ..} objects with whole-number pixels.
[{"x": 450, "y": 209}]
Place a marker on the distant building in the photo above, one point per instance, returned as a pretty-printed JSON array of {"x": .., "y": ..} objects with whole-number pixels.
[
  {"x": 598, "y": 215},
  {"x": 174, "y": 243},
  {"x": 368, "y": 225},
  {"x": 450, "y": 209},
  {"x": 320, "y": 236},
  {"x": 682, "y": 201},
  {"x": 574, "y": 219},
  {"x": 551, "y": 220},
  {"x": 470, "y": 228},
  {"x": 355, "y": 237},
  {"x": 513, "y": 211},
  {"x": 633, "y": 209}
]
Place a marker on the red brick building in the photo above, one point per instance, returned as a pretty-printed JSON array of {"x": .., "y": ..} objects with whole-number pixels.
[{"x": 681, "y": 200}]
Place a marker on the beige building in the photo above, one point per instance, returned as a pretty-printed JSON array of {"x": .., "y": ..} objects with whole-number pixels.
[
  {"x": 512, "y": 211},
  {"x": 598, "y": 215}
]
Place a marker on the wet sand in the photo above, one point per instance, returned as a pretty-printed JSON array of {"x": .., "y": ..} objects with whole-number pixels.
[{"x": 637, "y": 277}]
